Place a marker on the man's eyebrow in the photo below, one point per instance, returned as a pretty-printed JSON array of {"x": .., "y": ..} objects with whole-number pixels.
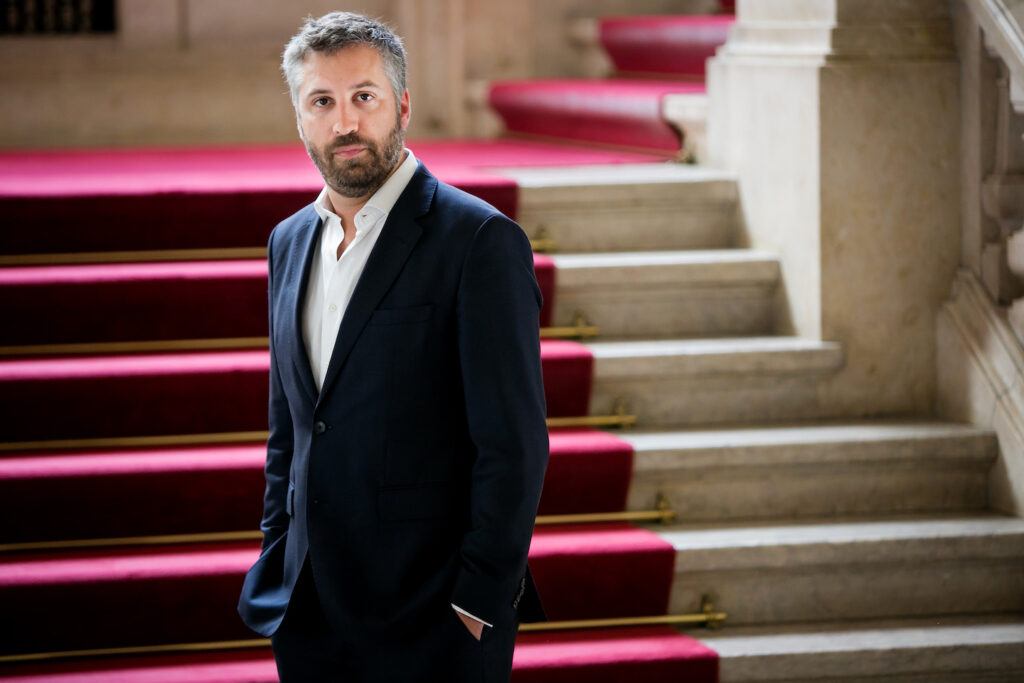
[{"x": 364, "y": 84}]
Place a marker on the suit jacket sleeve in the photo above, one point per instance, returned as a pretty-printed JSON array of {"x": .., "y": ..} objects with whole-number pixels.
[
  {"x": 280, "y": 439},
  {"x": 499, "y": 352}
]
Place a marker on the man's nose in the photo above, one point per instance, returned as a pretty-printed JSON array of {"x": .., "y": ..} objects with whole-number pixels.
[{"x": 347, "y": 121}]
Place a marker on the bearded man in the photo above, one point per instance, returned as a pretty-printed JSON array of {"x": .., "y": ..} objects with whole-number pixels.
[{"x": 407, "y": 441}]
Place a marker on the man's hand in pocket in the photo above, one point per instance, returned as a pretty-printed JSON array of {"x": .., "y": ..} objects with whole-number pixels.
[{"x": 475, "y": 627}]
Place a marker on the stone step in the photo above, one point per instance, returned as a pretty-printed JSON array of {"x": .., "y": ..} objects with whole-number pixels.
[
  {"x": 628, "y": 207},
  {"x": 801, "y": 470},
  {"x": 896, "y": 567},
  {"x": 674, "y": 382},
  {"x": 668, "y": 293},
  {"x": 946, "y": 650}
]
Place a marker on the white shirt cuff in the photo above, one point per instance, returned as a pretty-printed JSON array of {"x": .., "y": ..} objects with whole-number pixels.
[{"x": 462, "y": 611}]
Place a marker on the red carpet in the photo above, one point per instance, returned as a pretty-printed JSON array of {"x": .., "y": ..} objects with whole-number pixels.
[
  {"x": 639, "y": 655},
  {"x": 151, "y": 301},
  {"x": 588, "y": 471},
  {"x": 155, "y": 595},
  {"x": 544, "y": 269},
  {"x": 96, "y": 200},
  {"x": 202, "y": 489},
  {"x": 613, "y": 112},
  {"x": 674, "y": 44},
  {"x": 193, "y": 393},
  {"x": 590, "y": 572},
  {"x": 650, "y": 654}
]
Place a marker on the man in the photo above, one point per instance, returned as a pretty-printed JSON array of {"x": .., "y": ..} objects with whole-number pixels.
[{"x": 407, "y": 441}]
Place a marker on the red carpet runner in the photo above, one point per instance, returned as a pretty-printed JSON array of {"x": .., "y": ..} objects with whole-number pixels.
[
  {"x": 625, "y": 110},
  {"x": 168, "y": 300},
  {"x": 637, "y": 655},
  {"x": 230, "y": 197}
]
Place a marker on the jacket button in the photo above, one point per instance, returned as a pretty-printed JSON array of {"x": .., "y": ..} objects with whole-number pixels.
[{"x": 319, "y": 428}]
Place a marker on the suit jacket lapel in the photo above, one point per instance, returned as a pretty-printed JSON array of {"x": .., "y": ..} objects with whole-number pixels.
[
  {"x": 397, "y": 239},
  {"x": 296, "y": 291}
]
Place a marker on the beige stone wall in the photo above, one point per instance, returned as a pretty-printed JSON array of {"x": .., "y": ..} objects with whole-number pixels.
[
  {"x": 980, "y": 356},
  {"x": 841, "y": 119},
  {"x": 206, "y": 71}
]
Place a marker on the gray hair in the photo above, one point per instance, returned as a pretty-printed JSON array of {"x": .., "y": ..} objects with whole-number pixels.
[{"x": 338, "y": 30}]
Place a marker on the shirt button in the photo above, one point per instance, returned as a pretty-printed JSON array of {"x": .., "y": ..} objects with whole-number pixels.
[
  {"x": 332, "y": 308},
  {"x": 319, "y": 428}
]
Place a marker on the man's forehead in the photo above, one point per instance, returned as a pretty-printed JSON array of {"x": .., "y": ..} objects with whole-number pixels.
[{"x": 357, "y": 66}]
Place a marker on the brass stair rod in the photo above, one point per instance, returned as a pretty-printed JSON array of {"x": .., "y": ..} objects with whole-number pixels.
[
  {"x": 620, "y": 419},
  {"x": 663, "y": 514},
  {"x": 579, "y": 330},
  {"x": 708, "y": 617},
  {"x": 541, "y": 243}
]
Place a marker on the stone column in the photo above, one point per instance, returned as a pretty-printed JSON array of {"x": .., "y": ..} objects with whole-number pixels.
[{"x": 841, "y": 119}]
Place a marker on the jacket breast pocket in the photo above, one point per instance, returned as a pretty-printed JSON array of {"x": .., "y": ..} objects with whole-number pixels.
[{"x": 399, "y": 316}]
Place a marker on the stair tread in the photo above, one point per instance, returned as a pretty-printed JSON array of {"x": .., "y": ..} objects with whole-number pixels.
[
  {"x": 708, "y": 347},
  {"x": 609, "y": 175},
  {"x": 634, "y": 649},
  {"x": 254, "y": 360},
  {"x": 947, "y": 648},
  {"x": 679, "y": 257},
  {"x": 134, "y": 563},
  {"x": 881, "y": 634},
  {"x": 598, "y": 89},
  {"x": 255, "y": 168},
  {"x": 838, "y": 531},
  {"x": 741, "y": 444},
  {"x": 129, "y": 272}
]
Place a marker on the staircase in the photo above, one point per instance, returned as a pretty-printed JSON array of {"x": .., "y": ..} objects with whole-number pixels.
[{"x": 842, "y": 549}]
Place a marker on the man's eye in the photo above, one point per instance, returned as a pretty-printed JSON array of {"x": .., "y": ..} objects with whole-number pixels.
[
  {"x": 321, "y": 101},
  {"x": 364, "y": 97}
]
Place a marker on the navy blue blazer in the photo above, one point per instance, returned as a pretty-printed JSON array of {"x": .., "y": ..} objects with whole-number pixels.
[{"x": 412, "y": 478}]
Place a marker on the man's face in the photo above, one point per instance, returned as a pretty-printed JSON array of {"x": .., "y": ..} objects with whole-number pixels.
[{"x": 349, "y": 120}]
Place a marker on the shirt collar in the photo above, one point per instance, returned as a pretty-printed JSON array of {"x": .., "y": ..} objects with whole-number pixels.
[{"x": 380, "y": 202}]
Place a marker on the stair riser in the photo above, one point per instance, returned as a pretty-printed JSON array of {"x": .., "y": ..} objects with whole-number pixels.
[
  {"x": 146, "y": 310},
  {"x": 140, "y": 302},
  {"x": 173, "y": 221},
  {"x": 822, "y": 592},
  {"x": 711, "y": 494},
  {"x": 223, "y": 493},
  {"x": 182, "y": 308},
  {"x": 995, "y": 664},
  {"x": 669, "y": 401},
  {"x": 604, "y": 227},
  {"x": 669, "y": 312},
  {"x": 193, "y": 401}
]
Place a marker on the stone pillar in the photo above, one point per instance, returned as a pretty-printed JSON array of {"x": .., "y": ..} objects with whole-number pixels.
[{"x": 841, "y": 119}]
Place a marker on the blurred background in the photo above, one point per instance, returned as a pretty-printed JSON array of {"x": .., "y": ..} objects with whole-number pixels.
[{"x": 140, "y": 72}]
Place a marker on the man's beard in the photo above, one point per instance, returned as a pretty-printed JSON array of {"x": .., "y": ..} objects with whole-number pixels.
[{"x": 358, "y": 177}]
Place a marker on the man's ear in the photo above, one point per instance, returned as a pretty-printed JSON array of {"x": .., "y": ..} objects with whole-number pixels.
[{"x": 405, "y": 107}]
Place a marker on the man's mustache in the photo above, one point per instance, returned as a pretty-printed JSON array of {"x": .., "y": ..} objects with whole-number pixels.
[{"x": 352, "y": 139}]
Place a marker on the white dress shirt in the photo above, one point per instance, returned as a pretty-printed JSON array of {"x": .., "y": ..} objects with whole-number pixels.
[{"x": 332, "y": 279}]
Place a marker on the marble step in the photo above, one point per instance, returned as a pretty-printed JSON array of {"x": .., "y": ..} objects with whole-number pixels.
[
  {"x": 801, "y": 470},
  {"x": 668, "y": 293},
  {"x": 894, "y": 567},
  {"x": 947, "y": 650},
  {"x": 674, "y": 382},
  {"x": 628, "y": 207}
]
